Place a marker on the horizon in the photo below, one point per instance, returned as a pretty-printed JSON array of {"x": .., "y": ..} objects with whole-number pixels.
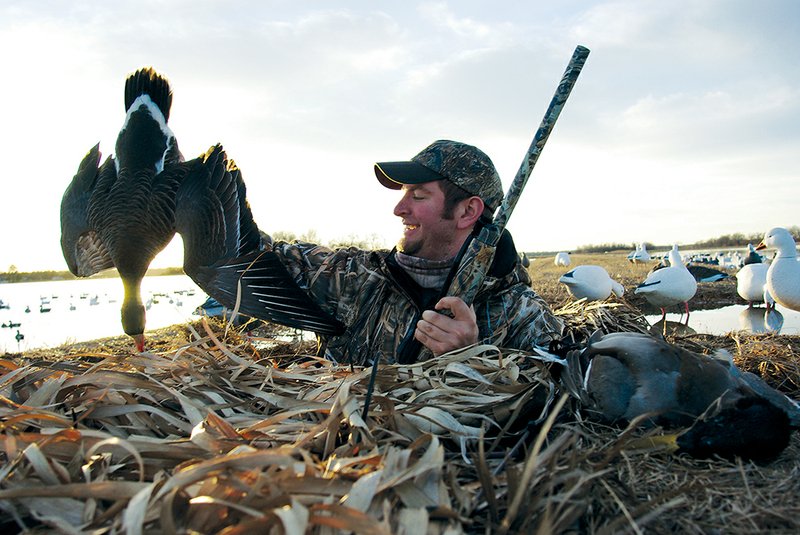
[
  {"x": 682, "y": 124},
  {"x": 613, "y": 247}
]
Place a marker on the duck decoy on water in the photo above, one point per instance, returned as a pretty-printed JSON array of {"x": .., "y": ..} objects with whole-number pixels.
[
  {"x": 783, "y": 275},
  {"x": 562, "y": 259},
  {"x": 591, "y": 282},
  {"x": 669, "y": 286},
  {"x": 19, "y": 336},
  {"x": 121, "y": 213},
  {"x": 622, "y": 377}
]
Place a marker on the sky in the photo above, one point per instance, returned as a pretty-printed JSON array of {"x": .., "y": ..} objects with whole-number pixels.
[{"x": 684, "y": 124}]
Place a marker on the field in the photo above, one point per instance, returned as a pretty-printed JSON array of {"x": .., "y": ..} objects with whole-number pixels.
[{"x": 216, "y": 431}]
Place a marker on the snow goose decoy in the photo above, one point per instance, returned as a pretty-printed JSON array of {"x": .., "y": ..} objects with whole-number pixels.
[
  {"x": 620, "y": 377},
  {"x": 120, "y": 214},
  {"x": 783, "y": 275},
  {"x": 669, "y": 286},
  {"x": 751, "y": 284},
  {"x": 640, "y": 255},
  {"x": 227, "y": 255},
  {"x": 562, "y": 259},
  {"x": 591, "y": 282}
]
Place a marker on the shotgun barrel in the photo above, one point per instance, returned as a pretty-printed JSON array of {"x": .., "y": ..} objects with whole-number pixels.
[{"x": 478, "y": 257}]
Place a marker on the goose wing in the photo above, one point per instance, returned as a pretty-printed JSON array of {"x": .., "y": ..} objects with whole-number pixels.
[
  {"x": 225, "y": 254},
  {"x": 84, "y": 251}
]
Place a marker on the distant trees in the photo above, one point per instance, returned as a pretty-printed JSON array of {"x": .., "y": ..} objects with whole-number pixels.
[
  {"x": 735, "y": 240},
  {"x": 372, "y": 241},
  {"x": 604, "y": 247}
]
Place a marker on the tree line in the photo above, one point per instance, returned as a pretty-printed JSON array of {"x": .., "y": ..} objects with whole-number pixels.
[{"x": 735, "y": 240}]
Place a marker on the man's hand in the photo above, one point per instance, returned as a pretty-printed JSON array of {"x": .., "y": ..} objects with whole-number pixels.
[{"x": 442, "y": 333}]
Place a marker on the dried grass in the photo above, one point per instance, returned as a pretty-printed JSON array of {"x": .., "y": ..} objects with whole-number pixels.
[{"x": 216, "y": 434}]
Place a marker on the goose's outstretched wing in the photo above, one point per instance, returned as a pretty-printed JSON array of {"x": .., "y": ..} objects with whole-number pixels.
[
  {"x": 83, "y": 250},
  {"x": 225, "y": 255}
]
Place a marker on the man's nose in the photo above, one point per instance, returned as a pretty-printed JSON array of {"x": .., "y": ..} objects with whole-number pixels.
[{"x": 401, "y": 207}]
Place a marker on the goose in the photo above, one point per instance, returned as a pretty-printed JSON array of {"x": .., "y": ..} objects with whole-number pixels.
[
  {"x": 751, "y": 284},
  {"x": 669, "y": 286},
  {"x": 124, "y": 212},
  {"x": 562, "y": 259},
  {"x": 591, "y": 282},
  {"x": 625, "y": 376},
  {"x": 783, "y": 275},
  {"x": 120, "y": 214}
]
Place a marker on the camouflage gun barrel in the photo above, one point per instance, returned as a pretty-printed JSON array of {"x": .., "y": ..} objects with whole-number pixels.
[{"x": 478, "y": 257}]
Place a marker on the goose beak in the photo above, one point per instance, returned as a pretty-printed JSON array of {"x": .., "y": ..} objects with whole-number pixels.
[
  {"x": 139, "y": 339},
  {"x": 761, "y": 245}
]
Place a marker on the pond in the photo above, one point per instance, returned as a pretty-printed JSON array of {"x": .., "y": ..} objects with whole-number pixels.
[
  {"x": 721, "y": 321},
  {"x": 49, "y": 314}
]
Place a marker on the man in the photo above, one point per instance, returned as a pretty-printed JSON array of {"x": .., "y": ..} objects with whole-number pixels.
[{"x": 389, "y": 300}]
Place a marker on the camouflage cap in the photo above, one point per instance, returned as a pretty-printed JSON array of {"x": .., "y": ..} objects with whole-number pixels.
[{"x": 464, "y": 165}]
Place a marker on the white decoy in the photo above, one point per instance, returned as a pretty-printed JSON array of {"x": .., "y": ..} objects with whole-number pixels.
[
  {"x": 591, "y": 282},
  {"x": 640, "y": 255},
  {"x": 669, "y": 286},
  {"x": 751, "y": 283},
  {"x": 783, "y": 275},
  {"x": 562, "y": 259}
]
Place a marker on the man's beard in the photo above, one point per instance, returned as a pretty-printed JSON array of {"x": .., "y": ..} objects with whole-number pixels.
[{"x": 409, "y": 248}]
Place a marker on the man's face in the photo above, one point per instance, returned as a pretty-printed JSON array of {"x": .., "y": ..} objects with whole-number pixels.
[{"x": 427, "y": 233}]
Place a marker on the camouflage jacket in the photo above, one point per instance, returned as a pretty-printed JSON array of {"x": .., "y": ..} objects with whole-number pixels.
[{"x": 380, "y": 304}]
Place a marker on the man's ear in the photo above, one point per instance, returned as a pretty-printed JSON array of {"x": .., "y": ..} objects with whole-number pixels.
[{"x": 471, "y": 211}]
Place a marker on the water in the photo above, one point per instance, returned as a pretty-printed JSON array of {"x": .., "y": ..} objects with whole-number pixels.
[
  {"x": 721, "y": 321},
  {"x": 88, "y": 309}
]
